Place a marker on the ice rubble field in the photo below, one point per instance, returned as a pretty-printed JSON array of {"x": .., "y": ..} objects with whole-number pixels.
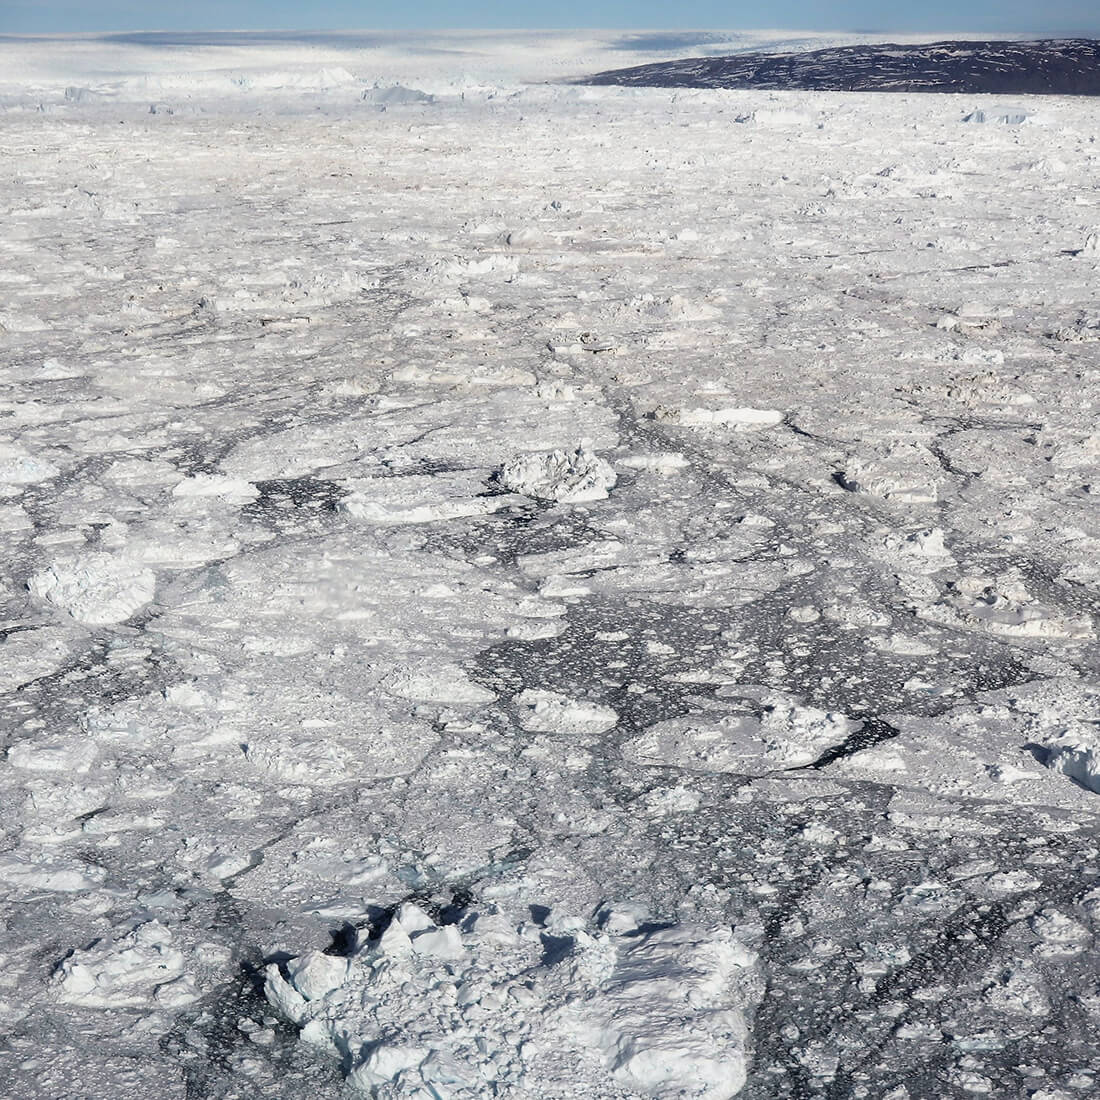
[{"x": 545, "y": 592}]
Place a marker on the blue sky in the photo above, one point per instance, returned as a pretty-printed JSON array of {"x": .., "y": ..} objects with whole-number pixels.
[{"x": 1051, "y": 17}]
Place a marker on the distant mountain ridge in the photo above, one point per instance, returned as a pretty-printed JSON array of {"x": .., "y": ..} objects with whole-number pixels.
[{"x": 1048, "y": 67}]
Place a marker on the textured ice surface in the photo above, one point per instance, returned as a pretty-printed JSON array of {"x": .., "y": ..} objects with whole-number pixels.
[
  {"x": 96, "y": 589},
  {"x": 741, "y": 420},
  {"x": 141, "y": 967},
  {"x": 565, "y": 1009},
  {"x": 566, "y": 477},
  {"x": 19, "y": 467},
  {"x": 782, "y": 736},
  {"x": 795, "y": 656}
]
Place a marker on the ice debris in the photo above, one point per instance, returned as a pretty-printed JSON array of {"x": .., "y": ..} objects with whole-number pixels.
[
  {"x": 568, "y": 477},
  {"x": 19, "y": 467},
  {"x": 784, "y": 735},
  {"x": 904, "y": 473},
  {"x": 417, "y": 498},
  {"x": 740, "y": 419},
  {"x": 97, "y": 589},
  {"x": 549, "y": 712},
  {"x": 488, "y": 1006},
  {"x": 138, "y": 970}
]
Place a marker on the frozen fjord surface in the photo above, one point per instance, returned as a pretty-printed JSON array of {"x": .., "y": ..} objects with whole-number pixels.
[{"x": 286, "y": 647}]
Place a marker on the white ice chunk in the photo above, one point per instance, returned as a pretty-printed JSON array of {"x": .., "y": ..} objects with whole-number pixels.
[
  {"x": 1078, "y": 761},
  {"x": 549, "y": 712},
  {"x": 18, "y": 466},
  {"x": 668, "y": 1021},
  {"x": 903, "y": 473},
  {"x": 316, "y": 974},
  {"x": 443, "y": 943},
  {"x": 124, "y": 973},
  {"x": 52, "y": 755},
  {"x": 97, "y": 589},
  {"x": 412, "y": 918},
  {"x": 217, "y": 486},
  {"x": 282, "y": 996},
  {"x": 53, "y": 873},
  {"x": 1002, "y": 116},
  {"x": 439, "y": 682},
  {"x": 661, "y": 462},
  {"x": 416, "y": 498},
  {"x": 740, "y": 419},
  {"x": 784, "y": 736},
  {"x": 566, "y": 477}
]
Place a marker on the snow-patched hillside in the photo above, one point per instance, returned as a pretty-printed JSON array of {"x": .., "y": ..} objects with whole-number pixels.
[
  {"x": 1044, "y": 67},
  {"x": 532, "y": 590}
]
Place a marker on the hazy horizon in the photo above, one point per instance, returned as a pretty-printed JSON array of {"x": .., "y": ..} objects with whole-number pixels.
[{"x": 1060, "y": 17}]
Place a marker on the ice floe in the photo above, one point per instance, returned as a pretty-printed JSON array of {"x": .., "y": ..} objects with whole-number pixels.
[
  {"x": 97, "y": 589},
  {"x": 783, "y": 735},
  {"x": 575, "y": 477},
  {"x": 492, "y": 1004},
  {"x": 140, "y": 969}
]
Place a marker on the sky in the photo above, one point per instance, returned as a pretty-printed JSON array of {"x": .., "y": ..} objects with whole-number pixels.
[{"x": 55, "y": 16}]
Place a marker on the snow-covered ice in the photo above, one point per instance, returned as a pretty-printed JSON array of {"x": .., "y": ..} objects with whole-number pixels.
[
  {"x": 561, "y": 1008},
  {"x": 97, "y": 589},
  {"x": 566, "y": 477}
]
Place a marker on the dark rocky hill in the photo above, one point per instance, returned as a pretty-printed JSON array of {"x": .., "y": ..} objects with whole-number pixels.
[{"x": 1049, "y": 67}]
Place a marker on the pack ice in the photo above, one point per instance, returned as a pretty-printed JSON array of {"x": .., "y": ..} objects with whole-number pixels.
[{"x": 471, "y": 540}]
